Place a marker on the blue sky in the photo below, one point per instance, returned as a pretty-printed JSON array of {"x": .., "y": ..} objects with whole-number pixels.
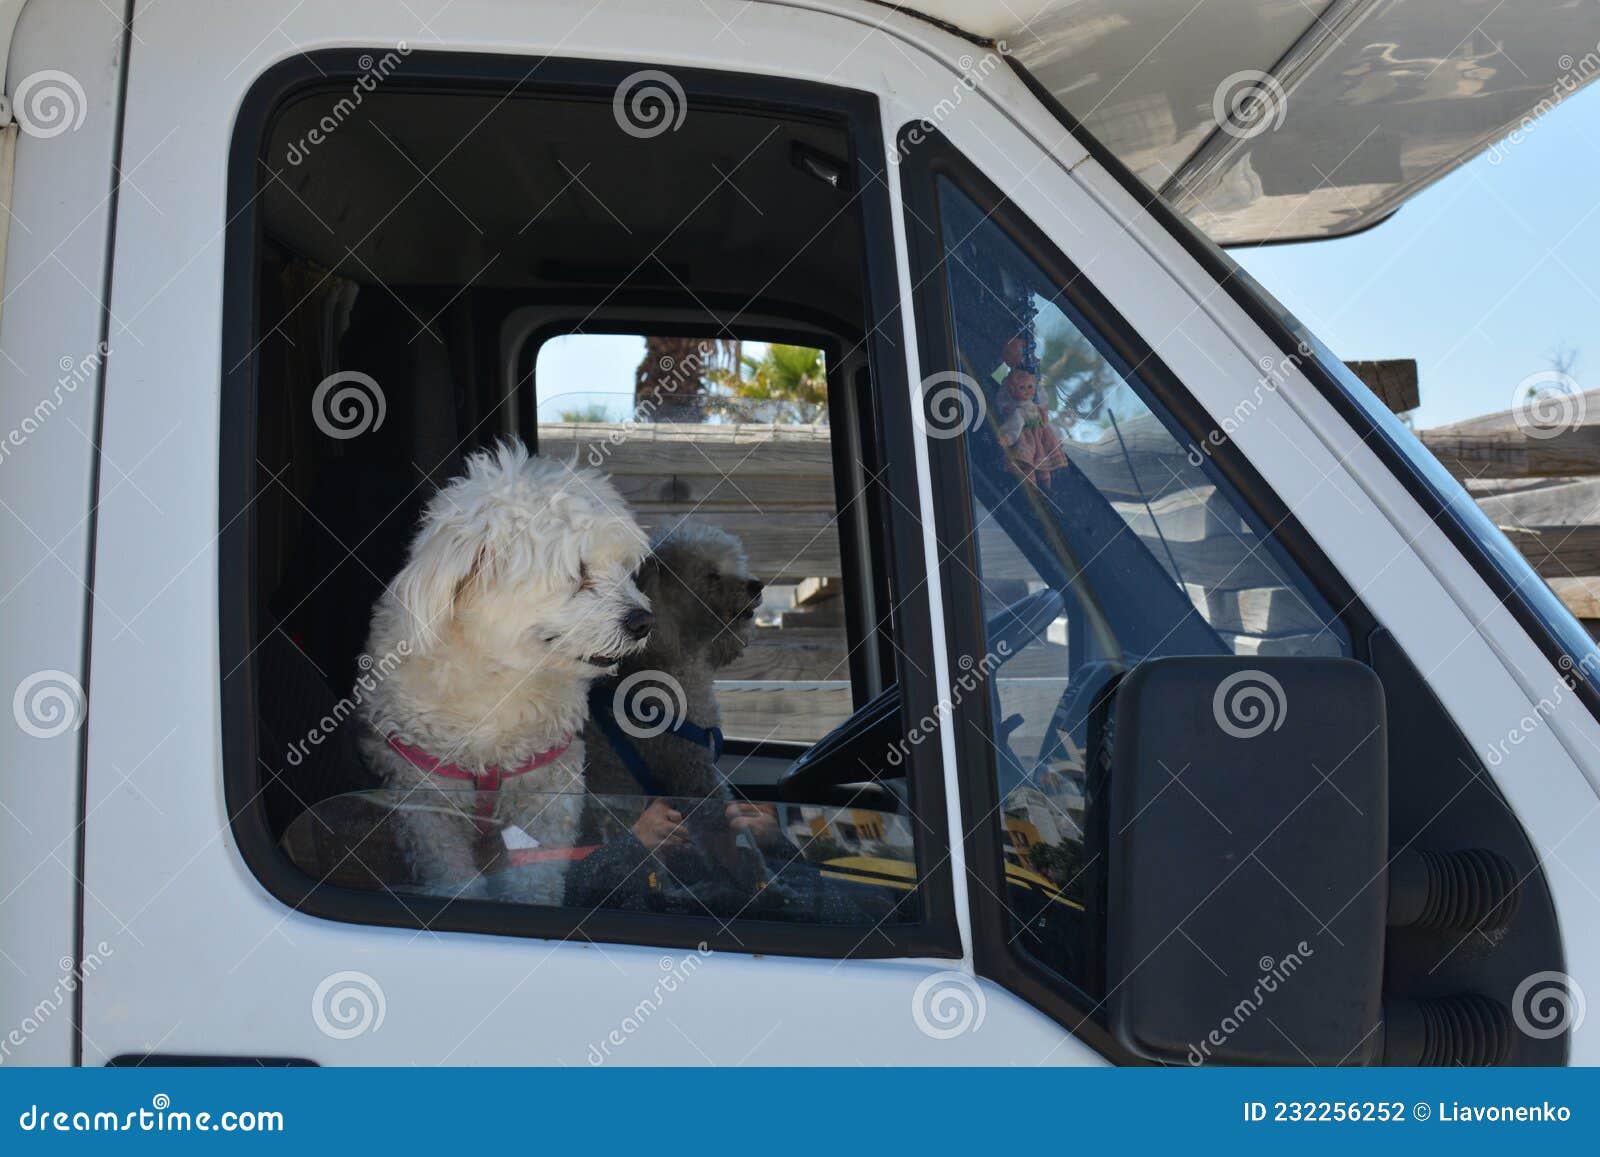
[
  {"x": 577, "y": 370},
  {"x": 1479, "y": 277},
  {"x": 605, "y": 362}
]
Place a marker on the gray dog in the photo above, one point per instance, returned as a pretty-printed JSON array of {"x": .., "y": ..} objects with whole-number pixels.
[{"x": 659, "y": 731}]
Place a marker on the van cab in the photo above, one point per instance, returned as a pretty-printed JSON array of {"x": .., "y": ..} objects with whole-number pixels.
[{"x": 1130, "y": 686}]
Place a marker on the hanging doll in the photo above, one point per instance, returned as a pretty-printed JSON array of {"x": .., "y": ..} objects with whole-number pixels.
[{"x": 1032, "y": 444}]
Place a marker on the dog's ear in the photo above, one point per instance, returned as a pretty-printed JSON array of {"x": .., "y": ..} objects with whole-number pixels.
[{"x": 441, "y": 569}]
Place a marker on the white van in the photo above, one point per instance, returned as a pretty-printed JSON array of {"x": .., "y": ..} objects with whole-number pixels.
[{"x": 1140, "y": 690}]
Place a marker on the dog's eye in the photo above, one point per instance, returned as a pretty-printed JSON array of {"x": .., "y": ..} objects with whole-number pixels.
[
  {"x": 585, "y": 583},
  {"x": 714, "y": 576}
]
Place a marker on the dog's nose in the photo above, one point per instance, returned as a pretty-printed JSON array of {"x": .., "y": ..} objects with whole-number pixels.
[
  {"x": 755, "y": 587},
  {"x": 636, "y": 623}
]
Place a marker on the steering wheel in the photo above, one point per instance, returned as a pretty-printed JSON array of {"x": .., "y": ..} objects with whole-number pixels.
[{"x": 864, "y": 741}]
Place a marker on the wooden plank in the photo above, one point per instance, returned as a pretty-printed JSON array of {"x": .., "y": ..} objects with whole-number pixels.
[
  {"x": 1568, "y": 503},
  {"x": 1558, "y": 551},
  {"x": 738, "y": 491},
  {"x": 1257, "y": 611},
  {"x": 1512, "y": 454},
  {"x": 772, "y": 486},
  {"x": 1314, "y": 643},
  {"x": 1499, "y": 421},
  {"x": 1581, "y": 595},
  {"x": 692, "y": 448},
  {"x": 674, "y": 467},
  {"x": 786, "y": 653},
  {"x": 788, "y": 710},
  {"x": 1186, "y": 515},
  {"x": 817, "y": 590},
  {"x": 1136, "y": 459},
  {"x": 1220, "y": 561},
  {"x": 1394, "y": 381},
  {"x": 1497, "y": 445}
]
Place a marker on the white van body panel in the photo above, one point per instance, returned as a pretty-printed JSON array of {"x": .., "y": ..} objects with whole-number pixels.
[
  {"x": 51, "y": 325},
  {"x": 200, "y": 959}
]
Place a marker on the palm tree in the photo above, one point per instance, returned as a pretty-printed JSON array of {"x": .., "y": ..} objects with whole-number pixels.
[
  {"x": 675, "y": 373},
  {"x": 793, "y": 377},
  {"x": 592, "y": 413},
  {"x": 1078, "y": 377}
]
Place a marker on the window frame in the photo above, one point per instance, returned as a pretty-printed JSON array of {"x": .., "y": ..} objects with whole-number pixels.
[
  {"x": 927, "y": 157},
  {"x": 935, "y": 932}
]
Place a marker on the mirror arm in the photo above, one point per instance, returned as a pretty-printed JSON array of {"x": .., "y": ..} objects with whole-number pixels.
[
  {"x": 1465, "y": 889},
  {"x": 1463, "y": 1029}
]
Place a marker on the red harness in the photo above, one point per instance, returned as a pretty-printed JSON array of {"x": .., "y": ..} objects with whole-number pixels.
[{"x": 490, "y": 779}]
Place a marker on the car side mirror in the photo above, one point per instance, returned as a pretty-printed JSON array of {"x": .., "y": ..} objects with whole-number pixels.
[{"x": 1247, "y": 837}]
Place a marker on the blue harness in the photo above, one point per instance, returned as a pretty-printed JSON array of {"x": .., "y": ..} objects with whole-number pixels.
[{"x": 600, "y": 703}]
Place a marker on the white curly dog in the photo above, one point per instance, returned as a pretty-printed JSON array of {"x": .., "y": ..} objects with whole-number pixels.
[{"x": 519, "y": 590}]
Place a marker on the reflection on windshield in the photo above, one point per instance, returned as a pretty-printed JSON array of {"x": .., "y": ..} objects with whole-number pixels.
[{"x": 693, "y": 857}]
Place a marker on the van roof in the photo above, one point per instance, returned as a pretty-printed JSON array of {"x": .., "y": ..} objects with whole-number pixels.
[{"x": 1332, "y": 113}]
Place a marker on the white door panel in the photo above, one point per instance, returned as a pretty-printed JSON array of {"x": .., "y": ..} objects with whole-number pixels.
[{"x": 209, "y": 963}]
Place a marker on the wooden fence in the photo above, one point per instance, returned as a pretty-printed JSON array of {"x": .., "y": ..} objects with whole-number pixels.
[{"x": 1541, "y": 486}]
